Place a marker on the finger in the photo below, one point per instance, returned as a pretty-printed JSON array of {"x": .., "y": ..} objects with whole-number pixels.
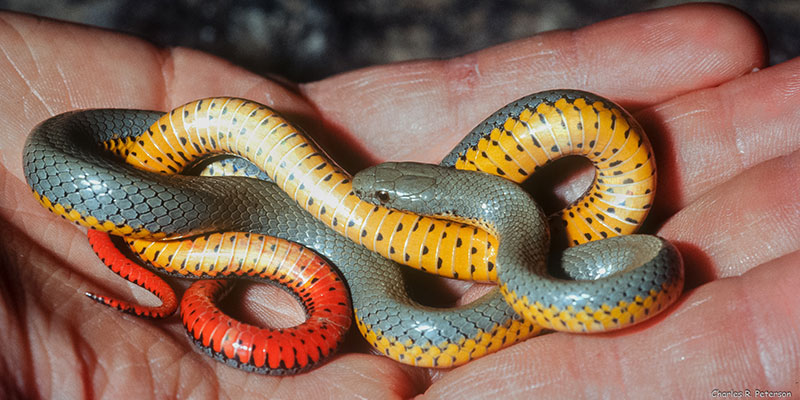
[
  {"x": 752, "y": 219},
  {"x": 705, "y": 138},
  {"x": 740, "y": 331},
  {"x": 419, "y": 110},
  {"x": 51, "y": 67}
]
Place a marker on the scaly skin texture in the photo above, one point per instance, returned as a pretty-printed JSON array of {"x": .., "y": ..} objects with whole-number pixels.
[
  {"x": 386, "y": 315},
  {"x": 121, "y": 265},
  {"x": 254, "y": 131},
  {"x": 606, "y": 285},
  {"x": 307, "y": 276},
  {"x": 513, "y": 142},
  {"x": 278, "y": 351},
  {"x": 535, "y": 130}
]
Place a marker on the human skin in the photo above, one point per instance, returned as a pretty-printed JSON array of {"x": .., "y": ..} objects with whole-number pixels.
[{"x": 725, "y": 139}]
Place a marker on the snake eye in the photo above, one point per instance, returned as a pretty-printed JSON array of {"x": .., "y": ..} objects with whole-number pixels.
[{"x": 382, "y": 196}]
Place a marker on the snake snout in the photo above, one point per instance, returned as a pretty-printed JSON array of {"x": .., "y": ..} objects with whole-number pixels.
[{"x": 368, "y": 186}]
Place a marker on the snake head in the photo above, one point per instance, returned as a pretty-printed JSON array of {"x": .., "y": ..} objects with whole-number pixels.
[{"x": 397, "y": 185}]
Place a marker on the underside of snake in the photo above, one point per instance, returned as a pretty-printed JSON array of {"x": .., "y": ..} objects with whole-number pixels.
[{"x": 310, "y": 201}]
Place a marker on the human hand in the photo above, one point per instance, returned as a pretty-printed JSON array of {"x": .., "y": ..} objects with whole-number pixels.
[{"x": 725, "y": 147}]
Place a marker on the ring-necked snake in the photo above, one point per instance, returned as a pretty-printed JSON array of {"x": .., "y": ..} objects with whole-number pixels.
[{"x": 66, "y": 171}]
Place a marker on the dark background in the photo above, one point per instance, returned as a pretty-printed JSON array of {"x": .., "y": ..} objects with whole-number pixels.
[{"x": 306, "y": 40}]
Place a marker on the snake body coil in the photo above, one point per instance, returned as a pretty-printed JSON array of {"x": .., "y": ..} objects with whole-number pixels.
[
  {"x": 68, "y": 145},
  {"x": 607, "y": 284},
  {"x": 70, "y": 176}
]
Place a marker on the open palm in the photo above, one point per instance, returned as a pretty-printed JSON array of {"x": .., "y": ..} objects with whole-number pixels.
[{"x": 726, "y": 141}]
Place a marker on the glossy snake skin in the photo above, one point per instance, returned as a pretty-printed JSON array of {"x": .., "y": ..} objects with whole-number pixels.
[{"x": 71, "y": 176}]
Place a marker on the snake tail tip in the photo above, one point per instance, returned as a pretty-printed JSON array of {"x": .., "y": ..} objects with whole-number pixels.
[{"x": 138, "y": 311}]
